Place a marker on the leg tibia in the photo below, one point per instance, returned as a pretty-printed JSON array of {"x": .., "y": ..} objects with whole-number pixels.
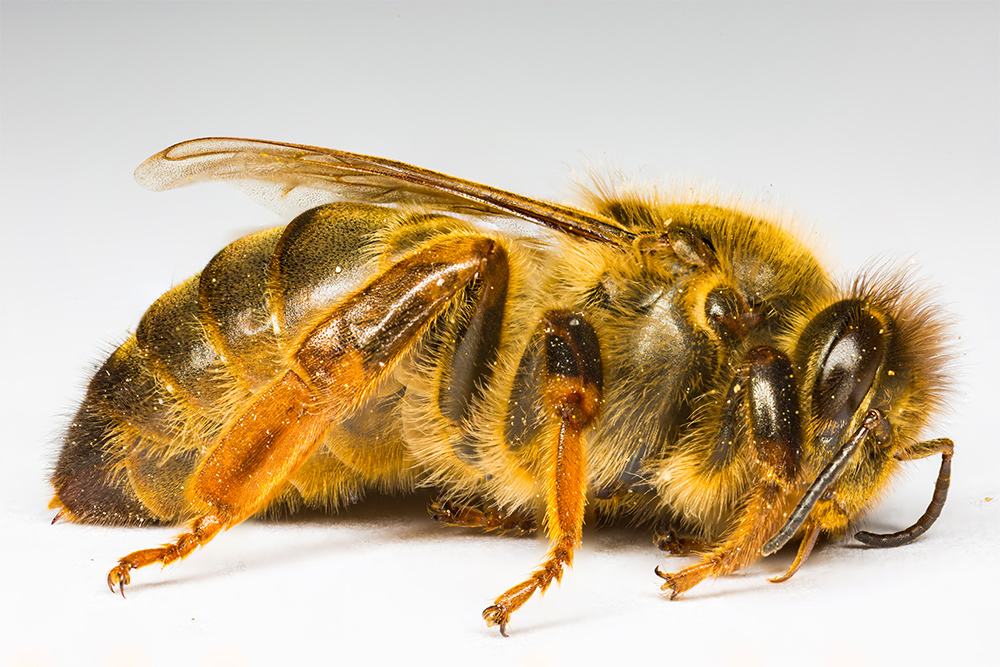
[
  {"x": 756, "y": 525},
  {"x": 571, "y": 378}
]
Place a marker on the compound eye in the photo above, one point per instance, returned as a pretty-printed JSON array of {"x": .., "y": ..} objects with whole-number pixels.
[{"x": 855, "y": 348}]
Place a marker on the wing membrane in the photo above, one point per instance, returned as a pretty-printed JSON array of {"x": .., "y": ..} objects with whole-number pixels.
[{"x": 354, "y": 177}]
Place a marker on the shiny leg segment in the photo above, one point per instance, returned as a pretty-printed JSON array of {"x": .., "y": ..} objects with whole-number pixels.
[
  {"x": 336, "y": 368},
  {"x": 572, "y": 385},
  {"x": 764, "y": 406}
]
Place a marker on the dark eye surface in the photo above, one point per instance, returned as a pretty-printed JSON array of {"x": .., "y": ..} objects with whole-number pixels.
[{"x": 850, "y": 359}]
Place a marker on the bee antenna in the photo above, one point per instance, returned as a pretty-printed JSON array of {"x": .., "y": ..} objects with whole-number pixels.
[
  {"x": 830, "y": 474},
  {"x": 907, "y": 535}
]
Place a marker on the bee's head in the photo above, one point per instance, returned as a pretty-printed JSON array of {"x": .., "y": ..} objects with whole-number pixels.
[{"x": 871, "y": 371}]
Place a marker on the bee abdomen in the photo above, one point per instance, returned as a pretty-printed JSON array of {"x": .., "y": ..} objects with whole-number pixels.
[
  {"x": 200, "y": 353},
  {"x": 235, "y": 308},
  {"x": 126, "y": 410},
  {"x": 175, "y": 343},
  {"x": 163, "y": 395},
  {"x": 321, "y": 258}
]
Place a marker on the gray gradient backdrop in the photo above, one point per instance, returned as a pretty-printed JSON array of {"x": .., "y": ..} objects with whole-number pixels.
[{"x": 876, "y": 125}]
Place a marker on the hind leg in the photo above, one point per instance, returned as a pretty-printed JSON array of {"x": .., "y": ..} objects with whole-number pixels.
[
  {"x": 344, "y": 358},
  {"x": 267, "y": 443},
  {"x": 202, "y": 530}
]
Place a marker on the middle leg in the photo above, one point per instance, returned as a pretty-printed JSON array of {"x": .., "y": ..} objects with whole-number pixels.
[{"x": 572, "y": 388}]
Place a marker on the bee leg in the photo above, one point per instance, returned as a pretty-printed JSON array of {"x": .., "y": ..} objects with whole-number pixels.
[
  {"x": 572, "y": 379},
  {"x": 742, "y": 547},
  {"x": 666, "y": 539},
  {"x": 489, "y": 519},
  {"x": 342, "y": 360},
  {"x": 246, "y": 467},
  {"x": 763, "y": 393},
  {"x": 202, "y": 530}
]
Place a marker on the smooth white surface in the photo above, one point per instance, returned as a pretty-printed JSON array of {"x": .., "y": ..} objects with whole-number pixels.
[{"x": 877, "y": 124}]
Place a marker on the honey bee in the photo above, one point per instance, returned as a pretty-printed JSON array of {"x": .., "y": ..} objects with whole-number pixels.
[{"x": 680, "y": 364}]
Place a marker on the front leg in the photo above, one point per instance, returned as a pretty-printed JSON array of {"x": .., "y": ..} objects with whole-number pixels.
[
  {"x": 763, "y": 403},
  {"x": 572, "y": 385},
  {"x": 757, "y": 523}
]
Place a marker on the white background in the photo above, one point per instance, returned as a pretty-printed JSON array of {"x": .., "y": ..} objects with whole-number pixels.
[{"x": 876, "y": 124}]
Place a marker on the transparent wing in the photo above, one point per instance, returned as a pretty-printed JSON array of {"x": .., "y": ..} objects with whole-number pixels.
[{"x": 309, "y": 176}]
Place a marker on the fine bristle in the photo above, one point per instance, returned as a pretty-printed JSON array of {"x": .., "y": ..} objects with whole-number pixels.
[{"x": 921, "y": 330}]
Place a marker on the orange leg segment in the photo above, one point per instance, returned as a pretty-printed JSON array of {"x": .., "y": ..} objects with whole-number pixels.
[
  {"x": 573, "y": 379},
  {"x": 202, "y": 530},
  {"x": 758, "y": 522},
  {"x": 338, "y": 365},
  {"x": 812, "y": 531},
  {"x": 764, "y": 408}
]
